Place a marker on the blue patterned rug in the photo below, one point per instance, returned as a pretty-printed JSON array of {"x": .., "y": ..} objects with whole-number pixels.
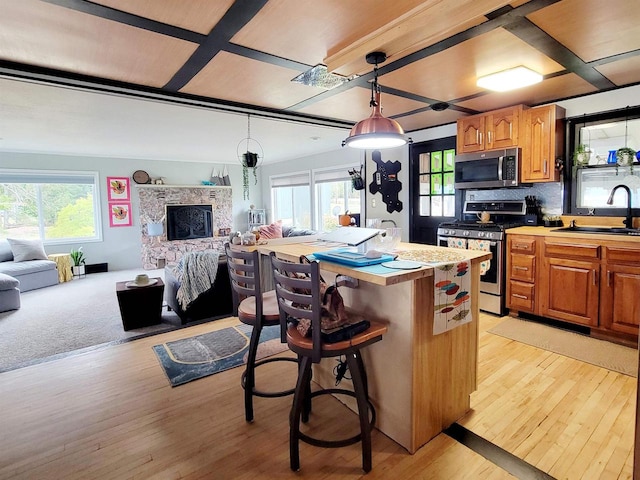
[{"x": 203, "y": 355}]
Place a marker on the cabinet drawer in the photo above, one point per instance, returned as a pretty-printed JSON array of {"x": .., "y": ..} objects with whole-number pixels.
[
  {"x": 574, "y": 250},
  {"x": 521, "y": 297},
  {"x": 522, "y": 267},
  {"x": 623, "y": 255},
  {"x": 523, "y": 245}
]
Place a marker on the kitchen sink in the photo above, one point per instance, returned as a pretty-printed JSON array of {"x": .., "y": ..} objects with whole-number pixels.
[{"x": 605, "y": 230}]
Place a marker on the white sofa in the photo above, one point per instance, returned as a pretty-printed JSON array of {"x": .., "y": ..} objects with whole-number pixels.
[{"x": 32, "y": 274}]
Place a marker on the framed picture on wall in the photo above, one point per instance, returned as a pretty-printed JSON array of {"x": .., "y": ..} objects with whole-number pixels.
[
  {"x": 118, "y": 189},
  {"x": 120, "y": 214}
]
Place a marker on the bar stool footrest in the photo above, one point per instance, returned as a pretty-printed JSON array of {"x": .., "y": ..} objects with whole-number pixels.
[
  {"x": 337, "y": 443},
  {"x": 260, "y": 393}
]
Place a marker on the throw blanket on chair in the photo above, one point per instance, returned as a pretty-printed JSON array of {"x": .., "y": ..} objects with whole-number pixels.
[{"x": 196, "y": 272}]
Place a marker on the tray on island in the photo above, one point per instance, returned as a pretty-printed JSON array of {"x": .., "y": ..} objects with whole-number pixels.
[{"x": 351, "y": 258}]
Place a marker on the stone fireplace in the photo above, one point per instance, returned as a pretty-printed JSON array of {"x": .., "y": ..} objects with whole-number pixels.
[{"x": 158, "y": 250}]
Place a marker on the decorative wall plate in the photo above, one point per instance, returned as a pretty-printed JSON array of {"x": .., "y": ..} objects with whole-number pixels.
[{"x": 140, "y": 176}]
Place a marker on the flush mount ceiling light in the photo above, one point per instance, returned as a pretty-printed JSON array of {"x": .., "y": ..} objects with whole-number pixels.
[
  {"x": 377, "y": 131},
  {"x": 510, "y": 79}
]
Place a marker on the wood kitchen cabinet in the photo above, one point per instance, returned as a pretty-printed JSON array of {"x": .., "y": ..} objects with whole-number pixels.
[
  {"x": 569, "y": 283},
  {"x": 620, "y": 290},
  {"x": 489, "y": 131},
  {"x": 543, "y": 142},
  {"x": 589, "y": 281},
  {"x": 521, "y": 273}
]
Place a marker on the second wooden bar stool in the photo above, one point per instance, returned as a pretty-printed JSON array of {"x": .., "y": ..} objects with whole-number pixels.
[
  {"x": 255, "y": 308},
  {"x": 298, "y": 292}
]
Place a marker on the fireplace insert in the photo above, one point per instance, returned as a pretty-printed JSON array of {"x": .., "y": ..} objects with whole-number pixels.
[{"x": 185, "y": 222}]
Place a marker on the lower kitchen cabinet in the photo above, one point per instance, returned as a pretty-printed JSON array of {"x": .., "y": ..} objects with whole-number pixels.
[
  {"x": 620, "y": 291},
  {"x": 569, "y": 290},
  {"x": 586, "y": 282},
  {"x": 521, "y": 273}
]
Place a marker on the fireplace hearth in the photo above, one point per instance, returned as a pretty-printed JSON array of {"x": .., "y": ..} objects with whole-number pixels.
[{"x": 185, "y": 222}]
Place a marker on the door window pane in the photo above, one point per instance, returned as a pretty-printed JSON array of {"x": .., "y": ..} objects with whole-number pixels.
[
  {"x": 425, "y": 206},
  {"x": 436, "y": 206},
  {"x": 436, "y": 183},
  {"x": 436, "y": 162},
  {"x": 448, "y": 160},
  {"x": 425, "y": 163}
]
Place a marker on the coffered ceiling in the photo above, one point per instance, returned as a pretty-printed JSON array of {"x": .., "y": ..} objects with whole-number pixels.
[{"x": 233, "y": 57}]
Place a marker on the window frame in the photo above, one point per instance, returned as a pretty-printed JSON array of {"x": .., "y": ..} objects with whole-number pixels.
[
  {"x": 572, "y": 132},
  {"x": 311, "y": 174},
  {"x": 275, "y": 178},
  {"x": 59, "y": 174}
]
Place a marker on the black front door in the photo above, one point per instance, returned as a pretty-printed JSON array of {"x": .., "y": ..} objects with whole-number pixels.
[{"x": 433, "y": 199}]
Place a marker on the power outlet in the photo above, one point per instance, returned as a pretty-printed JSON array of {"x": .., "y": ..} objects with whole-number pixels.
[
  {"x": 346, "y": 281},
  {"x": 373, "y": 202}
]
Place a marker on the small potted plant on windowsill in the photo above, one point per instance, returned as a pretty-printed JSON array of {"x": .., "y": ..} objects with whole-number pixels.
[
  {"x": 582, "y": 154},
  {"x": 78, "y": 260},
  {"x": 581, "y": 157}
]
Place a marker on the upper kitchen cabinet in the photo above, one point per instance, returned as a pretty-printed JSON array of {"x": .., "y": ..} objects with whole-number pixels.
[
  {"x": 543, "y": 142},
  {"x": 489, "y": 131}
]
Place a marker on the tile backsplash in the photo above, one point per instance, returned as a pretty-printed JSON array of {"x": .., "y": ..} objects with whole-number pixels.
[{"x": 549, "y": 194}]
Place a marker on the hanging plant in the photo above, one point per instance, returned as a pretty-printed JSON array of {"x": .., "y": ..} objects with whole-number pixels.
[{"x": 249, "y": 160}]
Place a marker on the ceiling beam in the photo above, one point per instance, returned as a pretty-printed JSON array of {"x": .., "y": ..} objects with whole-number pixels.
[{"x": 417, "y": 28}]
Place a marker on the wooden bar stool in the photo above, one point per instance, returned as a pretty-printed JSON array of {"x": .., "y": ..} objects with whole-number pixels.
[
  {"x": 298, "y": 292},
  {"x": 253, "y": 308}
]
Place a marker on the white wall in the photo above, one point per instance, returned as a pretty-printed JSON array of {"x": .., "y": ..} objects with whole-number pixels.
[{"x": 121, "y": 246}]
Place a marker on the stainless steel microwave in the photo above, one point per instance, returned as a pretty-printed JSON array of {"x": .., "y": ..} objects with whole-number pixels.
[{"x": 488, "y": 169}]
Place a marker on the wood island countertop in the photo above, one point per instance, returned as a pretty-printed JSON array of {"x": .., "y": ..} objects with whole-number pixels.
[{"x": 405, "y": 251}]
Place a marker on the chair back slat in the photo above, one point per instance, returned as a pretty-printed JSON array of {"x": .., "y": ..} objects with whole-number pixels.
[
  {"x": 298, "y": 294},
  {"x": 244, "y": 275}
]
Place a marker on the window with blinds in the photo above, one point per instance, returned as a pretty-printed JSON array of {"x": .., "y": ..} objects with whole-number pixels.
[{"x": 54, "y": 206}]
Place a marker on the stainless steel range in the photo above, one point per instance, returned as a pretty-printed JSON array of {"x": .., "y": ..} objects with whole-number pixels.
[{"x": 476, "y": 234}]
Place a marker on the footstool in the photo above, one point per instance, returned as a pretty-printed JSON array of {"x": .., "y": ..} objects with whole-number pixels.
[{"x": 9, "y": 293}]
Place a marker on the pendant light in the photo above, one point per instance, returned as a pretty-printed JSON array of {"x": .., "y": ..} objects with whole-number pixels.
[{"x": 377, "y": 131}]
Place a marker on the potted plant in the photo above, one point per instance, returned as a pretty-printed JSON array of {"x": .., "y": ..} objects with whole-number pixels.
[
  {"x": 78, "y": 260},
  {"x": 625, "y": 156},
  {"x": 249, "y": 160},
  {"x": 582, "y": 154}
]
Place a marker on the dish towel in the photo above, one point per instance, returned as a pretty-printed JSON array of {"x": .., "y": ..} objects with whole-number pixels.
[
  {"x": 453, "y": 242},
  {"x": 451, "y": 295},
  {"x": 485, "y": 246}
]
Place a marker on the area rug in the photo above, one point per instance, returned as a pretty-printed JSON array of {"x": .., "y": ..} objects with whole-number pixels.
[
  {"x": 590, "y": 350},
  {"x": 196, "y": 357}
]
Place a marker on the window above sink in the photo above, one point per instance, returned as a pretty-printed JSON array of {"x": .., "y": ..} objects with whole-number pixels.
[{"x": 588, "y": 185}]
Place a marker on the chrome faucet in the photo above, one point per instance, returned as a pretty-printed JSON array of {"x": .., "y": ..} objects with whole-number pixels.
[{"x": 628, "y": 222}]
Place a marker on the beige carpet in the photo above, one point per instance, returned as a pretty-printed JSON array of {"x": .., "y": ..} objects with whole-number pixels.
[
  {"x": 71, "y": 316},
  {"x": 597, "y": 352}
]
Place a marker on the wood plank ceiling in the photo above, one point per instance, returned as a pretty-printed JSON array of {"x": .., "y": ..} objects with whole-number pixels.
[{"x": 244, "y": 53}]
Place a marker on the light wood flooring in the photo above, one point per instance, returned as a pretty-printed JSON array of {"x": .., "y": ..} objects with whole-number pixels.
[{"x": 111, "y": 414}]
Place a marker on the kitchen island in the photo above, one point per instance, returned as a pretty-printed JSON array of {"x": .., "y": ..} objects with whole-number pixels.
[{"x": 419, "y": 382}]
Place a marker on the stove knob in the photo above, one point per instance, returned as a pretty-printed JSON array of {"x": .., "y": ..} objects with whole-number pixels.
[
  {"x": 452, "y": 232},
  {"x": 481, "y": 234},
  {"x": 465, "y": 233}
]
